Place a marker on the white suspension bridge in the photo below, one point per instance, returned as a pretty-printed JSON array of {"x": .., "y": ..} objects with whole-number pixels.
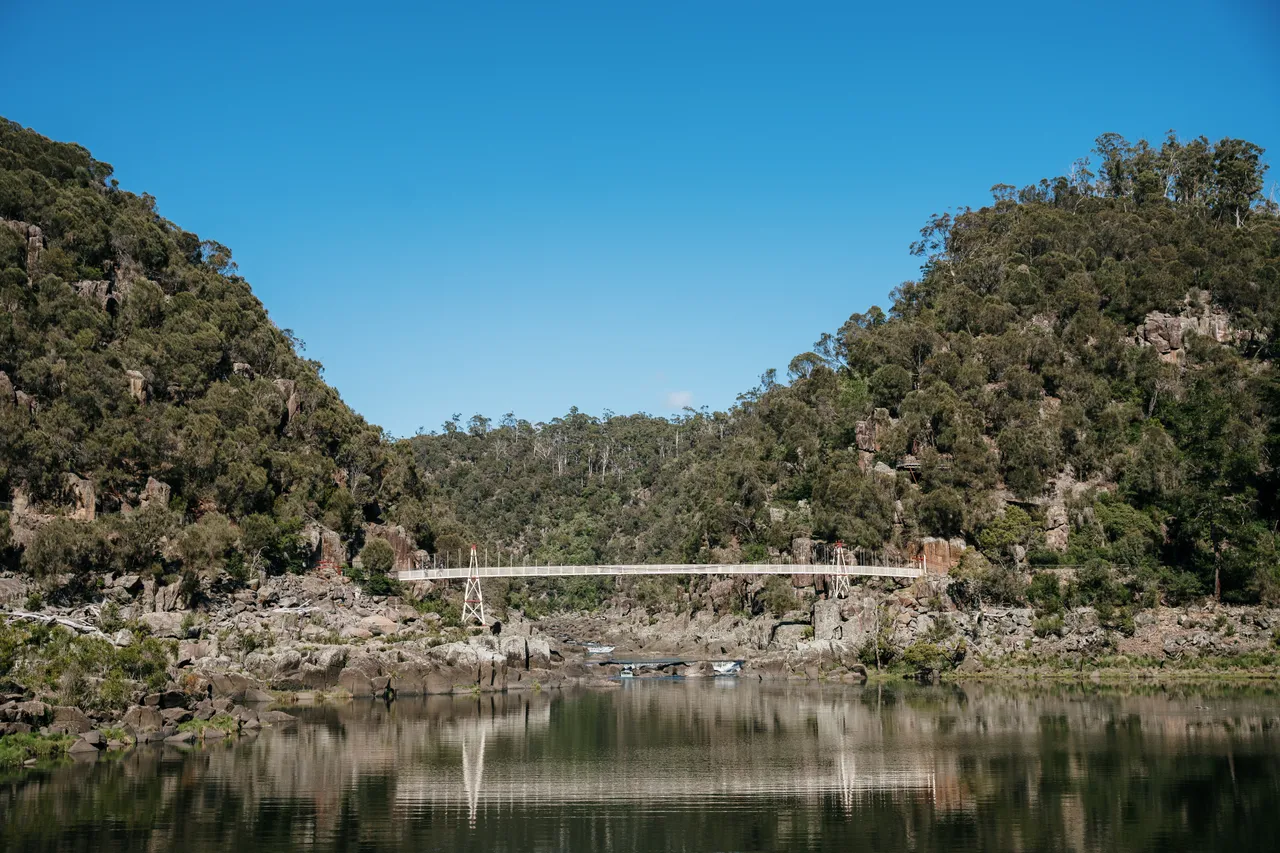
[{"x": 839, "y": 569}]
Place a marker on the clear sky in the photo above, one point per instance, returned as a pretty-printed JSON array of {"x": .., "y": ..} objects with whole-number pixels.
[{"x": 526, "y": 206}]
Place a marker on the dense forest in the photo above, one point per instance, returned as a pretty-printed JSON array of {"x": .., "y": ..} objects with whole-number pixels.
[
  {"x": 1083, "y": 375},
  {"x": 151, "y": 415}
]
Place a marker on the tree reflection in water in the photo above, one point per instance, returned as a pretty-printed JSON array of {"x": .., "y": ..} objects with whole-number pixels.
[{"x": 691, "y": 766}]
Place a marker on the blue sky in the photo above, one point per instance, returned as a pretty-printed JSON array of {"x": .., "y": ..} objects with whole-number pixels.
[{"x": 492, "y": 207}]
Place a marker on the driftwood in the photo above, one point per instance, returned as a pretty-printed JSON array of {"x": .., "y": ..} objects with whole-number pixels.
[{"x": 48, "y": 619}]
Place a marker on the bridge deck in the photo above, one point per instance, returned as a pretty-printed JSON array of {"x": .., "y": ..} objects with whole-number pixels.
[{"x": 461, "y": 572}]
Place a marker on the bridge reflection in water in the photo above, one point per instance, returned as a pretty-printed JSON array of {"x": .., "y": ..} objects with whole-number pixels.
[
  {"x": 735, "y": 756},
  {"x": 705, "y": 765}
]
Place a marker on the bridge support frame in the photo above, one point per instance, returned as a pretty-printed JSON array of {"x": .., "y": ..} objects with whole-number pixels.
[
  {"x": 473, "y": 596},
  {"x": 840, "y": 577}
]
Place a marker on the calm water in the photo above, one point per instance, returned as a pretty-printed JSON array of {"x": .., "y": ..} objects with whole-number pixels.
[{"x": 696, "y": 766}]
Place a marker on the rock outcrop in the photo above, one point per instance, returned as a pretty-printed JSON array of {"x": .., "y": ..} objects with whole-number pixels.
[
  {"x": 26, "y": 402},
  {"x": 327, "y": 546},
  {"x": 867, "y": 435},
  {"x": 137, "y": 385},
  {"x": 100, "y": 292},
  {"x": 939, "y": 555},
  {"x": 34, "y": 239},
  {"x": 406, "y": 550},
  {"x": 292, "y": 401},
  {"x": 24, "y": 518},
  {"x": 84, "y": 498},
  {"x": 1167, "y": 332},
  {"x": 155, "y": 493}
]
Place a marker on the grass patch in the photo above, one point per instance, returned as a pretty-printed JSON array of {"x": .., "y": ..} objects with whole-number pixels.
[
  {"x": 221, "y": 722},
  {"x": 17, "y": 749}
]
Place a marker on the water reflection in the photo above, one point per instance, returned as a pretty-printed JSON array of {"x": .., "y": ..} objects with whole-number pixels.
[{"x": 692, "y": 766}]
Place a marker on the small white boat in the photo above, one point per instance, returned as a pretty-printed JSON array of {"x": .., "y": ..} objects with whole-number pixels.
[
  {"x": 726, "y": 667},
  {"x": 597, "y": 649},
  {"x": 627, "y": 673}
]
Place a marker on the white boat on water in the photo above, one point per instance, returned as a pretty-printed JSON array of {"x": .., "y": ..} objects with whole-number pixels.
[
  {"x": 597, "y": 649},
  {"x": 726, "y": 667},
  {"x": 627, "y": 673}
]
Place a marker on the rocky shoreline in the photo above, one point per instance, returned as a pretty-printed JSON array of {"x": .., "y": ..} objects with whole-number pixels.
[{"x": 318, "y": 634}]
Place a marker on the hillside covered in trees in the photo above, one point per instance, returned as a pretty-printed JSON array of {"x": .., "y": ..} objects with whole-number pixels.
[
  {"x": 1082, "y": 375},
  {"x": 152, "y": 418}
]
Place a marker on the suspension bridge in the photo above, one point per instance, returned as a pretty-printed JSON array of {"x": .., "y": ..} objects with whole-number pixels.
[{"x": 839, "y": 569}]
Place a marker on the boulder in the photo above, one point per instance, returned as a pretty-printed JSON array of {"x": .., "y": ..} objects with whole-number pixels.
[
  {"x": 131, "y": 584},
  {"x": 273, "y": 717},
  {"x": 82, "y": 747},
  {"x": 168, "y": 598},
  {"x": 827, "y": 624},
  {"x": 93, "y": 738},
  {"x": 233, "y": 686},
  {"x": 326, "y": 545},
  {"x": 163, "y": 624},
  {"x": 355, "y": 682},
  {"x": 142, "y": 719},
  {"x": 190, "y": 652},
  {"x": 181, "y": 738},
  {"x": 34, "y": 713},
  {"x": 69, "y": 720},
  {"x": 155, "y": 493},
  {"x": 174, "y": 716},
  {"x": 379, "y": 625}
]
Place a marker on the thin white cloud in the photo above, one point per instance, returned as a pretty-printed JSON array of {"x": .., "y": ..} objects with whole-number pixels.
[{"x": 679, "y": 399}]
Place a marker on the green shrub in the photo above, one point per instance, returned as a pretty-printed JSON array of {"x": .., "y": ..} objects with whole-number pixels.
[
  {"x": 1002, "y": 585},
  {"x": 1046, "y": 625},
  {"x": 777, "y": 596},
  {"x": 923, "y": 657},
  {"x": 1045, "y": 592},
  {"x": 377, "y": 557}
]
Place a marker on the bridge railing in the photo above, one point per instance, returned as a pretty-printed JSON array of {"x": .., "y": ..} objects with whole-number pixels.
[{"x": 906, "y": 570}]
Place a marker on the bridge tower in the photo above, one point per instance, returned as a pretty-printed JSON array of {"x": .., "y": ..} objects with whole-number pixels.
[
  {"x": 840, "y": 577},
  {"x": 473, "y": 598}
]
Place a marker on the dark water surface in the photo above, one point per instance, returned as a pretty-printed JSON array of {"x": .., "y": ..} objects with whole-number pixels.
[{"x": 696, "y": 765}]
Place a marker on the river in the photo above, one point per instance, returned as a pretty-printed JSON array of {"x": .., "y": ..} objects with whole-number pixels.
[{"x": 696, "y": 765}]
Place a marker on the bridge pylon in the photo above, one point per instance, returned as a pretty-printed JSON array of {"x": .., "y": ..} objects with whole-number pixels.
[
  {"x": 840, "y": 577},
  {"x": 473, "y": 597}
]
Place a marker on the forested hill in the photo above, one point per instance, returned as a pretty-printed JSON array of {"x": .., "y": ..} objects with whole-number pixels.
[
  {"x": 1082, "y": 375},
  {"x": 151, "y": 415}
]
